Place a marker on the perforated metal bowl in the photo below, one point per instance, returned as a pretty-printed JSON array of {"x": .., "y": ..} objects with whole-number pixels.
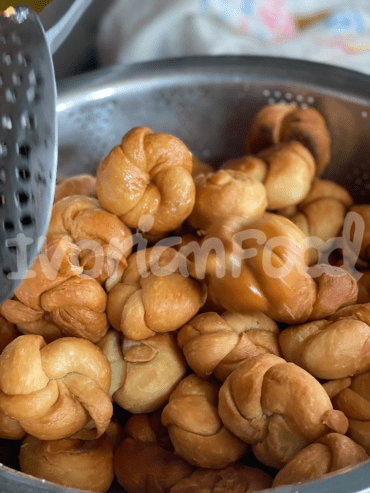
[{"x": 209, "y": 102}]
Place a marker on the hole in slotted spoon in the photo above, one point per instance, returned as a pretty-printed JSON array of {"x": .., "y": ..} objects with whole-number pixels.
[
  {"x": 24, "y": 174},
  {"x": 27, "y": 220},
  {"x": 22, "y": 197},
  {"x": 24, "y": 150},
  {"x": 8, "y": 225}
]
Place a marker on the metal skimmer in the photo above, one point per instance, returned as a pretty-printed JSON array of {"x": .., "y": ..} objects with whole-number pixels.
[{"x": 28, "y": 136}]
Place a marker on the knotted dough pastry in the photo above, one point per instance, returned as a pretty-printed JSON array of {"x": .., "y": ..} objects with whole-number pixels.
[
  {"x": 148, "y": 174},
  {"x": 153, "y": 295},
  {"x": 218, "y": 344},
  {"x": 145, "y": 462},
  {"x": 286, "y": 170},
  {"x": 195, "y": 428},
  {"x": 283, "y": 123},
  {"x": 87, "y": 465},
  {"x": 276, "y": 284},
  {"x": 277, "y": 407},
  {"x": 329, "y": 453},
  {"x": 144, "y": 373},
  {"x": 56, "y": 299},
  {"x": 83, "y": 184},
  {"x": 321, "y": 214},
  {"x": 54, "y": 390},
  {"x": 261, "y": 267},
  {"x": 224, "y": 193},
  {"x": 332, "y": 348},
  {"x": 234, "y": 479},
  {"x": 104, "y": 240},
  {"x": 354, "y": 402}
]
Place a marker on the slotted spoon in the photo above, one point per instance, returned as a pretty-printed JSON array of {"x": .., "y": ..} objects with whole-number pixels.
[{"x": 28, "y": 135}]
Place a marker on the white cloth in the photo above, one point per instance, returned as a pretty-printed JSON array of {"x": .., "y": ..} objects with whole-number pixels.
[{"x": 141, "y": 30}]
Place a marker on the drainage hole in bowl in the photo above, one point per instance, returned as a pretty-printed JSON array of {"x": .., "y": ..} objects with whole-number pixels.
[{"x": 279, "y": 96}]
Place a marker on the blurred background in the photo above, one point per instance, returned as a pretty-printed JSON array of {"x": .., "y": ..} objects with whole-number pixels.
[{"x": 129, "y": 31}]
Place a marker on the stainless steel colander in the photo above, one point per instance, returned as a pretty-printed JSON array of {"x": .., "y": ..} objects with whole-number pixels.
[{"x": 209, "y": 102}]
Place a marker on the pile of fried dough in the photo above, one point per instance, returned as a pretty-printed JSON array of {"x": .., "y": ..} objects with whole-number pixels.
[{"x": 227, "y": 312}]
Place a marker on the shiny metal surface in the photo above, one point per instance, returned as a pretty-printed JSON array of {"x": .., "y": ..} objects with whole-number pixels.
[
  {"x": 28, "y": 143},
  {"x": 28, "y": 139},
  {"x": 59, "y": 20},
  {"x": 209, "y": 102}
]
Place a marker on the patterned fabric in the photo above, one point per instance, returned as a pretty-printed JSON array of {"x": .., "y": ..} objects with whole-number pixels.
[{"x": 329, "y": 31}]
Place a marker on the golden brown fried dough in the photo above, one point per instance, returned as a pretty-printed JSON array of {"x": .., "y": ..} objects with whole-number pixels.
[
  {"x": 54, "y": 390},
  {"x": 218, "y": 344},
  {"x": 234, "y": 479},
  {"x": 148, "y": 173},
  {"x": 354, "y": 401},
  {"x": 284, "y": 123},
  {"x": 55, "y": 299},
  {"x": 332, "y": 348},
  {"x": 321, "y": 214},
  {"x": 104, "y": 240},
  {"x": 277, "y": 407},
  {"x": 154, "y": 296},
  {"x": 87, "y": 465},
  {"x": 224, "y": 193},
  {"x": 144, "y": 373},
  {"x": 261, "y": 267},
  {"x": 83, "y": 184},
  {"x": 268, "y": 278},
  {"x": 144, "y": 461},
  {"x": 195, "y": 428},
  {"x": 286, "y": 171},
  {"x": 329, "y": 453}
]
